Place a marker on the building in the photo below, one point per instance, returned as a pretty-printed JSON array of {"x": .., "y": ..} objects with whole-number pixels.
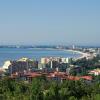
[
  {"x": 6, "y": 65},
  {"x": 41, "y": 66},
  {"x": 22, "y": 65},
  {"x": 54, "y": 62},
  {"x": 66, "y": 60},
  {"x": 95, "y": 72},
  {"x": 45, "y": 60}
]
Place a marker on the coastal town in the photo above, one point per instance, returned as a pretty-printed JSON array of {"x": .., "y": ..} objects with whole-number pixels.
[
  {"x": 53, "y": 78},
  {"x": 54, "y": 68},
  {"x": 49, "y": 50}
]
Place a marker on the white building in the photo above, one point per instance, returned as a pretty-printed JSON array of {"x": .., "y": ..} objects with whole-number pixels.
[
  {"x": 95, "y": 72},
  {"x": 6, "y": 65},
  {"x": 65, "y": 60},
  {"x": 44, "y": 60}
]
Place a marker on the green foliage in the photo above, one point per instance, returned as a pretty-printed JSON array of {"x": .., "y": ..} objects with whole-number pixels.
[
  {"x": 86, "y": 65},
  {"x": 97, "y": 97},
  {"x": 12, "y": 90},
  {"x": 36, "y": 90},
  {"x": 72, "y": 98},
  {"x": 41, "y": 89}
]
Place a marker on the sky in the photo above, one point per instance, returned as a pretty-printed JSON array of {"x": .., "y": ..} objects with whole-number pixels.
[{"x": 50, "y": 22}]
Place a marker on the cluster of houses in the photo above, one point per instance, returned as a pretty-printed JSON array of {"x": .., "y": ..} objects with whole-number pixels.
[
  {"x": 26, "y": 64},
  {"x": 53, "y": 68},
  {"x": 54, "y": 75}
]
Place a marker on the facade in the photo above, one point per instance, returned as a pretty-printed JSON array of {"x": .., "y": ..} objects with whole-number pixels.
[
  {"x": 22, "y": 65},
  {"x": 54, "y": 62},
  {"x": 45, "y": 60},
  {"x": 95, "y": 72},
  {"x": 65, "y": 60},
  {"x": 41, "y": 66},
  {"x": 6, "y": 65}
]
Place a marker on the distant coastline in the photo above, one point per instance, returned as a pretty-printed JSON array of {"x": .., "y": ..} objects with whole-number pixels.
[
  {"x": 82, "y": 54},
  {"x": 33, "y": 53}
]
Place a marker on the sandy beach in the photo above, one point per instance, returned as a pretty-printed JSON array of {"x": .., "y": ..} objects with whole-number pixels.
[{"x": 83, "y": 55}]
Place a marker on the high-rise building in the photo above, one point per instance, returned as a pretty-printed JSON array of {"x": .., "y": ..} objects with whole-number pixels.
[
  {"x": 45, "y": 60},
  {"x": 73, "y": 47},
  {"x": 22, "y": 65}
]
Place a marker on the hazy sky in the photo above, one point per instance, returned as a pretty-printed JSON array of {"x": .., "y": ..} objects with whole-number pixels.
[{"x": 50, "y": 22}]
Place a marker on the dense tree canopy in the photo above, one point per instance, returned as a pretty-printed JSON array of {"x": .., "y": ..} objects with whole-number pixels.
[{"x": 42, "y": 89}]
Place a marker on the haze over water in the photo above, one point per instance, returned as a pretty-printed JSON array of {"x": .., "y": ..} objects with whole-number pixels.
[{"x": 17, "y": 53}]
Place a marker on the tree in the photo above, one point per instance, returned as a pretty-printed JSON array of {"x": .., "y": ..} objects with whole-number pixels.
[
  {"x": 72, "y": 98},
  {"x": 64, "y": 93},
  {"x": 36, "y": 91}
]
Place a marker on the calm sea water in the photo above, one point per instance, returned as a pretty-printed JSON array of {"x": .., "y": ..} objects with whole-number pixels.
[{"x": 16, "y": 53}]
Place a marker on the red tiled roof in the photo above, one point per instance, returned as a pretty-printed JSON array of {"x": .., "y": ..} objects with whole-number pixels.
[
  {"x": 33, "y": 74},
  {"x": 73, "y": 78},
  {"x": 87, "y": 77},
  {"x": 61, "y": 75}
]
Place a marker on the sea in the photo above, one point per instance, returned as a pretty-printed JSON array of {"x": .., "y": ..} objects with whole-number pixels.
[{"x": 33, "y": 53}]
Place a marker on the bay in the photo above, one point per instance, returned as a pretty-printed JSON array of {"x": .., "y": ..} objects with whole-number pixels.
[{"x": 34, "y": 53}]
